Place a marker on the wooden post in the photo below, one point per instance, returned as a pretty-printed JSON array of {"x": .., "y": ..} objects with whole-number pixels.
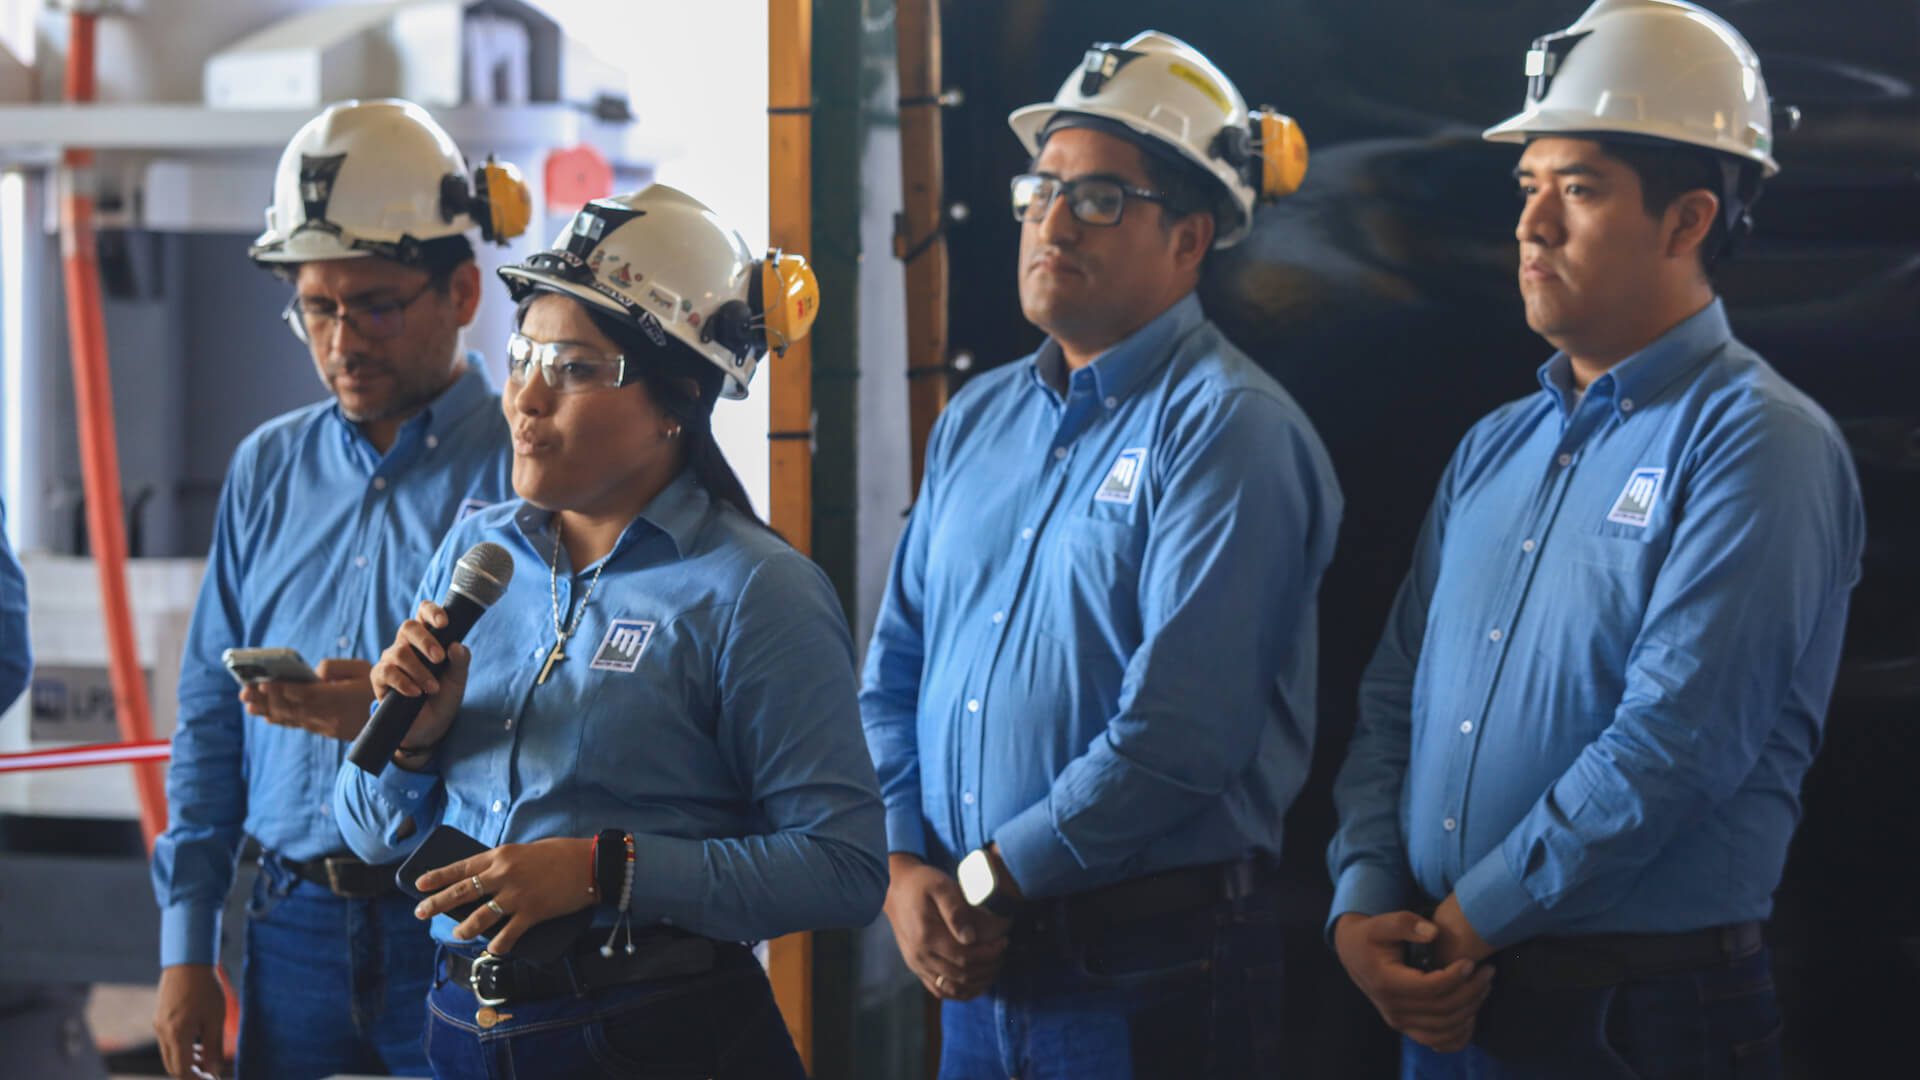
[
  {"x": 790, "y": 386},
  {"x": 918, "y": 238}
]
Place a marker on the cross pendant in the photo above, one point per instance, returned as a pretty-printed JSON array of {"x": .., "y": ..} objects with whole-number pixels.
[{"x": 553, "y": 658}]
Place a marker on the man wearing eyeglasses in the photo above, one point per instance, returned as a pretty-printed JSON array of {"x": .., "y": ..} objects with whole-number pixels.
[
  {"x": 1090, "y": 691},
  {"x": 326, "y": 523}
]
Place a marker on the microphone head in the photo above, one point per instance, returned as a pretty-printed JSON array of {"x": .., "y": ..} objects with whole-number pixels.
[{"x": 483, "y": 572}]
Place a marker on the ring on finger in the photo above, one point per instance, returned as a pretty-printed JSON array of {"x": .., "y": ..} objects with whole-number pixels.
[
  {"x": 475, "y": 882},
  {"x": 939, "y": 982},
  {"x": 494, "y": 906}
]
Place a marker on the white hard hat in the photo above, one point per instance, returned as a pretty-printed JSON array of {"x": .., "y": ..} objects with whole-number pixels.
[
  {"x": 1652, "y": 69},
  {"x": 1162, "y": 88},
  {"x": 659, "y": 259},
  {"x": 381, "y": 178}
]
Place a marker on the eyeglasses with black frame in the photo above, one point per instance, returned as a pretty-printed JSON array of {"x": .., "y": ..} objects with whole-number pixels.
[
  {"x": 379, "y": 319},
  {"x": 568, "y": 367},
  {"x": 1092, "y": 200}
]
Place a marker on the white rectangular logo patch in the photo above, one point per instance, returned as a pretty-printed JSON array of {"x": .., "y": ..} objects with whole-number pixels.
[
  {"x": 1635, "y": 504},
  {"x": 620, "y": 650},
  {"x": 1124, "y": 478}
]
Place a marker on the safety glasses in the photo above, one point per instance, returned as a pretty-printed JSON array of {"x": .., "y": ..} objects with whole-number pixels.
[{"x": 1092, "y": 200}]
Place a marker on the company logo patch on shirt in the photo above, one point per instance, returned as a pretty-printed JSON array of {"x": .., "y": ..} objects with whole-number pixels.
[
  {"x": 1635, "y": 504},
  {"x": 620, "y": 650},
  {"x": 470, "y": 507},
  {"x": 1124, "y": 478}
]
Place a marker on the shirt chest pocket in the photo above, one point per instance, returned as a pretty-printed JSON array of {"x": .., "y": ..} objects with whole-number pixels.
[
  {"x": 647, "y": 723},
  {"x": 1592, "y": 593},
  {"x": 1088, "y": 583}
]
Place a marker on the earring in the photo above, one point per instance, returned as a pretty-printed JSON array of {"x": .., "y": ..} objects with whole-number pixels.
[{"x": 673, "y": 432}]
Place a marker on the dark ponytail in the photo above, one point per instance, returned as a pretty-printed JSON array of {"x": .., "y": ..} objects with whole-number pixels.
[{"x": 663, "y": 369}]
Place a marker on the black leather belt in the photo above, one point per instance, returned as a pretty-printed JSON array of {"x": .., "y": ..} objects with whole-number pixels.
[
  {"x": 498, "y": 980},
  {"x": 344, "y": 875},
  {"x": 1188, "y": 888},
  {"x": 1610, "y": 959}
]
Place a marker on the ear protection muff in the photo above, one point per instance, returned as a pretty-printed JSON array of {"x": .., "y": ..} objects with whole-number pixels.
[
  {"x": 497, "y": 199},
  {"x": 783, "y": 297},
  {"x": 1278, "y": 163}
]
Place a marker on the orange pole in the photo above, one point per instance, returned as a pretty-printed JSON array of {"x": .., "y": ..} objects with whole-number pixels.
[{"x": 99, "y": 450}]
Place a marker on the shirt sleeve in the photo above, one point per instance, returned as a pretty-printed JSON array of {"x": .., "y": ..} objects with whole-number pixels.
[
  {"x": 1367, "y": 857},
  {"x": 890, "y": 694},
  {"x": 16, "y": 649},
  {"x": 790, "y": 721},
  {"x": 385, "y": 817},
  {"x": 193, "y": 859},
  {"x": 1242, "y": 528},
  {"x": 1764, "y": 554}
]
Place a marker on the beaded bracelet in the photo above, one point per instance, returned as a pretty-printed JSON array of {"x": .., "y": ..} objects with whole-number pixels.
[{"x": 626, "y": 902}]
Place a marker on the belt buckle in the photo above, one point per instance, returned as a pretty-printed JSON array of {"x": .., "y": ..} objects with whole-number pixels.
[
  {"x": 335, "y": 866},
  {"x": 484, "y": 980}
]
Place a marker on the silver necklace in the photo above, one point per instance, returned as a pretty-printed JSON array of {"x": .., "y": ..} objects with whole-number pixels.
[{"x": 560, "y": 633}]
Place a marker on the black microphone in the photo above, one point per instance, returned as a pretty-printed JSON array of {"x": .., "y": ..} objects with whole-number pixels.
[{"x": 479, "y": 578}]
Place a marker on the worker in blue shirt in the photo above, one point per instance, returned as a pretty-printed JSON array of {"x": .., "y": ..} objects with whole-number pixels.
[
  {"x": 16, "y": 649},
  {"x": 658, "y": 719},
  {"x": 1090, "y": 690},
  {"x": 328, "y": 517},
  {"x": 1583, "y": 734}
]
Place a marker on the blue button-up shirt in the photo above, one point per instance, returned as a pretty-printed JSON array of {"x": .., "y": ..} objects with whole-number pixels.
[
  {"x": 318, "y": 545},
  {"x": 16, "y": 652},
  {"x": 706, "y": 705},
  {"x": 1608, "y": 669},
  {"x": 1097, "y": 646}
]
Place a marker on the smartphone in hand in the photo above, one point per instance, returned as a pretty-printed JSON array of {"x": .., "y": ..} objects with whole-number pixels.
[{"x": 251, "y": 666}]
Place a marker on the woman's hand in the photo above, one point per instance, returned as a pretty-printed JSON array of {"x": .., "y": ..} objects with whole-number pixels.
[
  {"x": 402, "y": 671},
  {"x": 530, "y": 883}
]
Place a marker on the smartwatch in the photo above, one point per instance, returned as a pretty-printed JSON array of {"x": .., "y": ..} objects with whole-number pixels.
[{"x": 981, "y": 885}]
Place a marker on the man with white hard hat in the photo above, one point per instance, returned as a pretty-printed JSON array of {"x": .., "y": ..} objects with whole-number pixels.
[
  {"x": 1582, "y": 737},
  {"x": 326, "y": 523},
  {"x": 1090, "y": 692}
]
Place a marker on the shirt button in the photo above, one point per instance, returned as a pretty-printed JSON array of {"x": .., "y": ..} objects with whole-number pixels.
[
  {"x": 342, "y": 642},
  {"x": 1565, "y": 460},
  {"x": 973, "y": 705},
  {"x": 1526, "y": 545},
  {"x": 1466, "y": 727},
  {"x": 433, "y": 441},
  {"x": 1449, "y": 824},
  {"x": 1113, "y": 403},
  {"x": 999, "y": 617},
  {"x": 1626, "y": 404},
  {"x": 1060, "y": 453},
  {"x": 379, "y": 483},
  {"x": 360, "y": 560},
  {"x": 509, "y": 723},
  {"x": 967, "y": 797},
  {"x": 1495, "y": 636},
  {"x": 499, "y": 805},
  {"x": 1026, "y": 533}
]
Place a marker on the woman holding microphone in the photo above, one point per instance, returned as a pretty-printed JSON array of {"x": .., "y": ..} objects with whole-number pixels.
[{"x": 657, "y": 720}]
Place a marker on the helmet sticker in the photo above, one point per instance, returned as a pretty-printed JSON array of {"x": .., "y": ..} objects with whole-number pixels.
[
  {"x": 317, "y": 175},
  {"x": 1203, "y": 84},
  {"x": 1103, "y": 62}
]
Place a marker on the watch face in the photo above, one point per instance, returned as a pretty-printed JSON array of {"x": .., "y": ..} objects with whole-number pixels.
[{"x": 976, "y": 878}]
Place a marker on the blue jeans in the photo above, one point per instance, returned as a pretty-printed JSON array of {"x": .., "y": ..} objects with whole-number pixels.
[
  {"x": 331, "y": 985},
  {"x": 721, "y": 1024},
  {"x": 1184, "y": 996},
  {"x": 1719, "y": 1023}
]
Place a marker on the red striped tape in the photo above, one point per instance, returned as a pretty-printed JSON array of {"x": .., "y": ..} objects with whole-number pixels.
[{"x": 74, "y": 757}]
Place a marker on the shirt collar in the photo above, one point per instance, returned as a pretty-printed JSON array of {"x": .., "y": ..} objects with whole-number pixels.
[
  {"x": 1641, "y": 377},
  {"x": 677, "y": 513},
  {"x": 1122, "y": 368}
]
